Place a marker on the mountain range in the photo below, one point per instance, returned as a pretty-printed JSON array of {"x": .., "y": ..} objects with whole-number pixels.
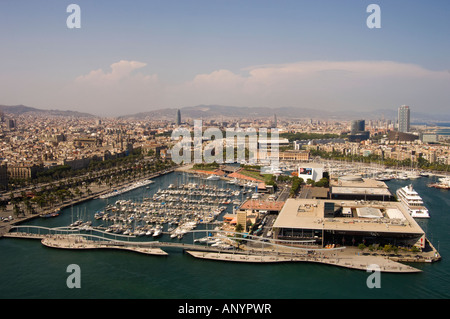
[
  {"x": 22, "y": 109},
  {"x": 221, "y": 111}
]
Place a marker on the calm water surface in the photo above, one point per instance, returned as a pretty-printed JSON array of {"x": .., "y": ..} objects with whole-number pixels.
[{"x": 30, "y": 270}]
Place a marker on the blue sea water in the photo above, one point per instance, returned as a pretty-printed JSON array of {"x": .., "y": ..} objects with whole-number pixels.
[{"x": 29, "y": 270}]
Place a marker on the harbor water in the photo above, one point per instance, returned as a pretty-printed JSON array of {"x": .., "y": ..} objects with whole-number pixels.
[{"x": 30, "y": 270}]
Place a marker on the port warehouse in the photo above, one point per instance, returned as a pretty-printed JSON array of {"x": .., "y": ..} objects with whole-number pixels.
[
  {"x": 355, "y": 187},
  {"x": 347, "y": 222}
]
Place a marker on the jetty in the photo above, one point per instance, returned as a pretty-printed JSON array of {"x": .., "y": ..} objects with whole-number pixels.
[
  {"x": 354, "y": 262},
  {"x": 223, "y": 249},
  {"x": 80, "y": 242}
]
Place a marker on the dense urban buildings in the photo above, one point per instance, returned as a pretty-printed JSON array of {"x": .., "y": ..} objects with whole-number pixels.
[{"x": 32, "y": 144}]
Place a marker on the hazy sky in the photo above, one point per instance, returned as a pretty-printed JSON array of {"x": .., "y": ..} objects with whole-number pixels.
[{"x": 133, "y": 56}]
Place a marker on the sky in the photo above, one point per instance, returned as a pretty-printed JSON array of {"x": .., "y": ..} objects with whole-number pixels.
[{"x": 136, "y": 56}]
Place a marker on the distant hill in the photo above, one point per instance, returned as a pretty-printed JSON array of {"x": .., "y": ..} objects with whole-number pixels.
[
  {"x": 244, "y": 112},
  {"x": 218, "y": 111},
  {"x": 22, "y": 109}
]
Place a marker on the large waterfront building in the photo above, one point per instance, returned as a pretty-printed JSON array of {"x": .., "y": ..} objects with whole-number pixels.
[
  {"x": 294, "y": 156},
  {"x": 347, "y": 223},
  {"x": 23, "y": 171},
  {"x": 403, "y": 119}
]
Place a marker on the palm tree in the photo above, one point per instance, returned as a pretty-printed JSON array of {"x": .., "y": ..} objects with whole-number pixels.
[
  {"x": 17, "y": 210},
  {"x": 78, "y": 192},
  {"x": 28, "y": 205}
]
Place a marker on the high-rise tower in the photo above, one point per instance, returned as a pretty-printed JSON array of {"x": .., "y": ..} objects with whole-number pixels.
[
  {"x": 403, "y": 118},
  {"x": 358, "y": 126},
  {"x": 178, "y": 120}
]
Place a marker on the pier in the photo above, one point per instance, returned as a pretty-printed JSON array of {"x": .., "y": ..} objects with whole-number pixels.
[
  {"x": 254, "y": 251},
  {"x": 353, "y": 262}
]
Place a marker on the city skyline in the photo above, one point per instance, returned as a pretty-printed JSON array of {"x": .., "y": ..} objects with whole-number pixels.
[{"x": 154, "y": 55}]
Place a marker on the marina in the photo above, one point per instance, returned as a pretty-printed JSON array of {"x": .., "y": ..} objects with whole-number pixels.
[
  {"x": 177, "y": 209},
  {"x": 176, "y": 197}
]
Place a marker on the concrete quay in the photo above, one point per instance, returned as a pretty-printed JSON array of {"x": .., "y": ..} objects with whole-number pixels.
[
  {"x": 346, "y": 258},
  {"x": 79, "y": 243},
  {"x": 24, "y": 235},
  {"x": 347, "y": 261}
]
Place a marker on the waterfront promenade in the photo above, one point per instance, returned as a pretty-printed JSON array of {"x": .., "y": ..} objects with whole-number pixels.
[
  {"x": 342, "y": 259},
  {"x": 346, "y": 257},
  {"x": 79, "y": 242}
]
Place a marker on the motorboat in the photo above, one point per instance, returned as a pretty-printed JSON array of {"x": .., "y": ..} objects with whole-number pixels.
[{"x": 158, "y": 231}]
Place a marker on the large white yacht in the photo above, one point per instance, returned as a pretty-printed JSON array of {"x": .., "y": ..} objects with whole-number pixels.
[{"x": 412, "y": 200}]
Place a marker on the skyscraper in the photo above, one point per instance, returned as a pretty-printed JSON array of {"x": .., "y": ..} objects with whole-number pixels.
[
  {"x": 358, "y": 126},
  {"x": 358, "y": 131},
  {"x": 178, "y": 120},
  {"x": 403, "y": 118}
]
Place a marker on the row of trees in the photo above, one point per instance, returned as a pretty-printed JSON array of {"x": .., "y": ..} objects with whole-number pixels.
[
  {"x": 308, "y": 136},
  {"x": 65, "y": 171},
  {"x": 387, "y": 248}
]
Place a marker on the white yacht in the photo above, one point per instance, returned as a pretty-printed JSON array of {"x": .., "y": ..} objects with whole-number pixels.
[
  {"x": 412, "y": 200},
  {"x": 157, "y": 231},
  {"x": 444, "y": 183},
  {"x": 273, "y": 169},
  {"x": 213, "y": 177}
]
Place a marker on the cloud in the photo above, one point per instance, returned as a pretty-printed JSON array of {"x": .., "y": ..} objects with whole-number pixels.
[
  {"x": 328, "y": 84},
  {"x": 123, "y": 89},
  {"x": 334, "y": 85},
  {"x": 119, "y": 71}
]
